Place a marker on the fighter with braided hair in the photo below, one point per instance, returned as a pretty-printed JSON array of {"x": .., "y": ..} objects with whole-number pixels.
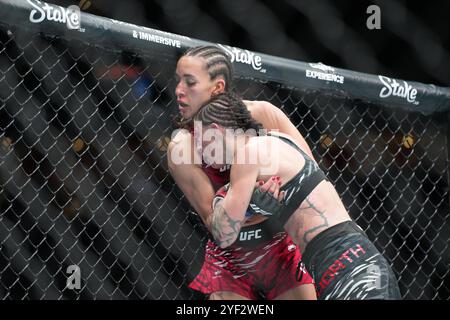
[
  {"x": 343, "y": 261},
  {"x": 230, "y": 110},
  {"x": 263, "y": 261}
]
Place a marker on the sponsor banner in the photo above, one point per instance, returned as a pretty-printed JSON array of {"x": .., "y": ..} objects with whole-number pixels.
[
  {"x": 43, "y": 11},
  {"x": 153, "y": 35},
  {"x": 148, "y": 30},
  {"x": 245, "y": 57},
  {"x": 323, "y": 72},
  {"x": 109, "y": 33},
  {"x": 156, "y": 39},
  {"x": 71, "y": 16},
  {"x": 402, "y": 89}
]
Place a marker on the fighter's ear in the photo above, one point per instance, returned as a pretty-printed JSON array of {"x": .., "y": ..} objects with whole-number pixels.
[{"x": 219, "y": 86}]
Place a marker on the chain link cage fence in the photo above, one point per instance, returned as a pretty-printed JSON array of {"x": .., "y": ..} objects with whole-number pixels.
[{"x": 84, "y": 180}]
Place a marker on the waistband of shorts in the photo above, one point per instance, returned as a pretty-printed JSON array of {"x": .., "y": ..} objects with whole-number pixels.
[
  {"x": 317, "y": 244},
  {"x": 264, "y": 232}
]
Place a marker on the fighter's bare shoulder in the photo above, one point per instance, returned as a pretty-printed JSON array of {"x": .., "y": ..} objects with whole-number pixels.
[
  {"x": 182, "y": 141},
  {"x": 257, "y": 105},
  {"x": 180, "y": 136}
]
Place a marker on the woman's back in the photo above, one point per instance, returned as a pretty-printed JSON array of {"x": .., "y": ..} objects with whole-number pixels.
[{"x": 321, "y": 208}]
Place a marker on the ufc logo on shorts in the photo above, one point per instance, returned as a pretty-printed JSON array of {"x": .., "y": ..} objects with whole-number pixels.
[{"x": 248, "y": 235}]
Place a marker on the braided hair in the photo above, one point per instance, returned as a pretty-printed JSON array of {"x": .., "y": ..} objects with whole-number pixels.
[
  {"x": 218, "y": 63},
  {"x": 229, "y": 111}
]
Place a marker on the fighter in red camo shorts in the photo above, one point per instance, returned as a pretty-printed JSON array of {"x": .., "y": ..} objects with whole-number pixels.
[{"x": 262, "y": 263}]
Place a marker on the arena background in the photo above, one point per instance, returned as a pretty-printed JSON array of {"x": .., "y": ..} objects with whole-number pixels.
[
  {"x": 130, "y": 230},
  {"x": 412, "y": 44}
]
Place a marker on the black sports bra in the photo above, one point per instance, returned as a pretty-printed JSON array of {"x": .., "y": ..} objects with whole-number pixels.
[{"x": 301, "y": 185}]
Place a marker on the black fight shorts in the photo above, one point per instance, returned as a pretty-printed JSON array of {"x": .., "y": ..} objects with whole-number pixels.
[{"x": 346, "y": 265}]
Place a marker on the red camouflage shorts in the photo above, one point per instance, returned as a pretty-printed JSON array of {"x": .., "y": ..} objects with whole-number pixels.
[{"x": 263, "y": 263}]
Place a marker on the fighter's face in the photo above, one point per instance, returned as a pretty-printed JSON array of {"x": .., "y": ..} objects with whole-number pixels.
[{"x": 194, "y": 85}]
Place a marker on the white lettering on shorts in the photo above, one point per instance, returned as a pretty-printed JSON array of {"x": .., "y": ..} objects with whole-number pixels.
[{"x": 249, "y": 235}]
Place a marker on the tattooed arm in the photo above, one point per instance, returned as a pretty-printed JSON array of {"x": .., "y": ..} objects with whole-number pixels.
[
  {"x": 229, "y": 214},
  {"x": 224, "y": 227}
]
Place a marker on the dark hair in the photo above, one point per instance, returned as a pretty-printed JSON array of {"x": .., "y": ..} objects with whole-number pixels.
[
  {"x": 227, "y": 110},
  {"x": 218, "y": 63}
]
